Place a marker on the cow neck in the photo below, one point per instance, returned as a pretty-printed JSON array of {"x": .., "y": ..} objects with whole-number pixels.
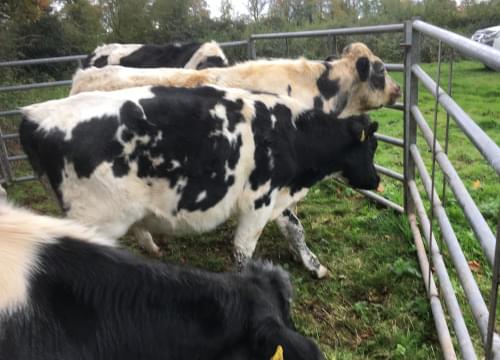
[{"x": 320, "y": 145}]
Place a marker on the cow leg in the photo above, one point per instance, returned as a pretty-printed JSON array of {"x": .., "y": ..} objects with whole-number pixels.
[
  {"x": 250, "y": 226},
  {"x": 290, "y": 226},
  {"x": 145, "y": 240}
]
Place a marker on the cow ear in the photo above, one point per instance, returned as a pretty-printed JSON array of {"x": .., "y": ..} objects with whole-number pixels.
[
  {"x": 373, "y": 128},
  {"x": 278, "y": 355},
  {"x": 363, "y": 67},
  {"x": 346, "y": 50}
]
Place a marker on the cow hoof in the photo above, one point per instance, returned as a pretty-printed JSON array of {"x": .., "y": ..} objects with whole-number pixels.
[{"x": 323, "y": 273}]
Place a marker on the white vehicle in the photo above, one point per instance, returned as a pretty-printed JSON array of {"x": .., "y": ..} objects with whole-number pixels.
[
  {"x": 488, "y": 36},
  {"x": 496, "y": 43}
]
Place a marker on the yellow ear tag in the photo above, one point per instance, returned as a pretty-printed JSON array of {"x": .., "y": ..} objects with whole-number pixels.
[
  {"x": 278, "y": 355},
  {"x": 362, "y": 136}
]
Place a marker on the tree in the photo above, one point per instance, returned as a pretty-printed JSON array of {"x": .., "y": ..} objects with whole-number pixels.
[
  {"x": 82, "y": 25},
  {"x": 226, "y": 10},
  {"x": 127, "y": 20},
  {"x": 256, "y": 8}
]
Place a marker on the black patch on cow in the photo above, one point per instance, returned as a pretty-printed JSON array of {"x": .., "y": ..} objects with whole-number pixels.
[
  {"x": 168, "y": 55},
  {"x": 363, "y": 68},
  {"x": 332, "y": 58},
  {"x": 102, "y": 144},
  {"x": 47, "y": 151},
  {"x": 291, "y": 217},
  {"x": 101, "y": 61},
  {"x": 86, "y": 61},
  {"x": 262, "y": 92},
  {"x": 81, "y": 306},
  {"x": 327, "y": 87},
  {"x": 120, "y": 167},
  {"x": 270, "y": 163},
  {"x": 210, "y": 62},
  {"x": 289, "y": 90},
  {"x": 377, "y": 77},
  {"x": 342, "y": 100},
  {"x": 264, "y": 200},
  {"x": 318, "y": 103}
]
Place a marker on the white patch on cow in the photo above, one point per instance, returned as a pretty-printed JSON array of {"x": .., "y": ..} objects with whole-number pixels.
[
  {"x": 103, "y": 200},
  {"x": 201, "y": 196},
  {"x": 157, "y": 161},
  {"x": 206, "y": 50},
  {"x": 174, "y": 164},
  {"x": 219, "y": 111},
  {"x": 181, "y": 184},
  {"x": 159, "y": 137},
  {"x": 273, "y": 120},
  {"x": 114, "y": 52},
  {"x": 271, "y": 158},
  {"x": 213, "y": 175},
  {"x": 22, "y": 234}
]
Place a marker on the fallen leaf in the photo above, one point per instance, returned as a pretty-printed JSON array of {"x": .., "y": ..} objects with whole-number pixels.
[
  {"x": 380, "y": 188},
  {"x": 474, "y": 265},
  {"x": 476, "y": 184}
]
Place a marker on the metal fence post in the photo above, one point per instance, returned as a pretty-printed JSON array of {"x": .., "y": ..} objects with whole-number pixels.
[
  {"x": 489, "y": 346},
  {"x": 251, "y": 51},
  {"x": 412, "y": 56}
]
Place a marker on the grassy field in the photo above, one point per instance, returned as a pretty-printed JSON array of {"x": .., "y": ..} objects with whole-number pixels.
[{"x": 374, "y": 305}]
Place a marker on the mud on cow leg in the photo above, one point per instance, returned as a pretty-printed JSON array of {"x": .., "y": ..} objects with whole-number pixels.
[
  {"x": 145, "y": 240},
  {"x": 290, "y": 226}
]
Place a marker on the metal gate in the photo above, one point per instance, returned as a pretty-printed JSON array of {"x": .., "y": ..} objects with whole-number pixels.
[{"x": 443, "y": 299}]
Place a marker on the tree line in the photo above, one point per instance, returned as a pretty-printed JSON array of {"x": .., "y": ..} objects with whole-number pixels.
[{"x": 46, "y": 28}]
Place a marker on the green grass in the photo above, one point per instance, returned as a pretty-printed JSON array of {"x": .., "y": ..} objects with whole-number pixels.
[{"x": 374, "y": 305}]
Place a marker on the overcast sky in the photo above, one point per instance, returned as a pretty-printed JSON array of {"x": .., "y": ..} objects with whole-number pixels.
[{"x": 239, "y": 7}]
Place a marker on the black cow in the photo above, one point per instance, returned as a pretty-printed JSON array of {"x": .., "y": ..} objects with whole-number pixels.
[
  {"x": 189, "y": 56},
  {"x": 65, "y": 295},
  {"x": 177, "y": 160}
]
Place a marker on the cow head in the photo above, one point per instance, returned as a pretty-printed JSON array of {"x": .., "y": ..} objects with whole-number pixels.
[
  {"x": 273, "y": 333},
  {"x": 363, "y": 81},
  {"x": 358, "y": 167}
]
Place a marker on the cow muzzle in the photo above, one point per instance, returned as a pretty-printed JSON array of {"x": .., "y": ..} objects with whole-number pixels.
[{"x": 394, "y": 93}]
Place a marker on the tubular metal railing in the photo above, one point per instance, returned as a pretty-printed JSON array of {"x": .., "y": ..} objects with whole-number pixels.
[
  {"x": 429, "y": 252},
  {"x": 414, "y": 205}
]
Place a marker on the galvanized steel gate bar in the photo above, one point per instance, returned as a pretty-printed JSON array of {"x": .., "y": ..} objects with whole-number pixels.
[{"x": 431, "y": 263}]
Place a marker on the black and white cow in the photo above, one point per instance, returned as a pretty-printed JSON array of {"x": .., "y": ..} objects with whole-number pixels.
[
  {"x": 189, "y": 56},
  {"x": 177, "y": 160},
  {"x": 66, "y": 294}
]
